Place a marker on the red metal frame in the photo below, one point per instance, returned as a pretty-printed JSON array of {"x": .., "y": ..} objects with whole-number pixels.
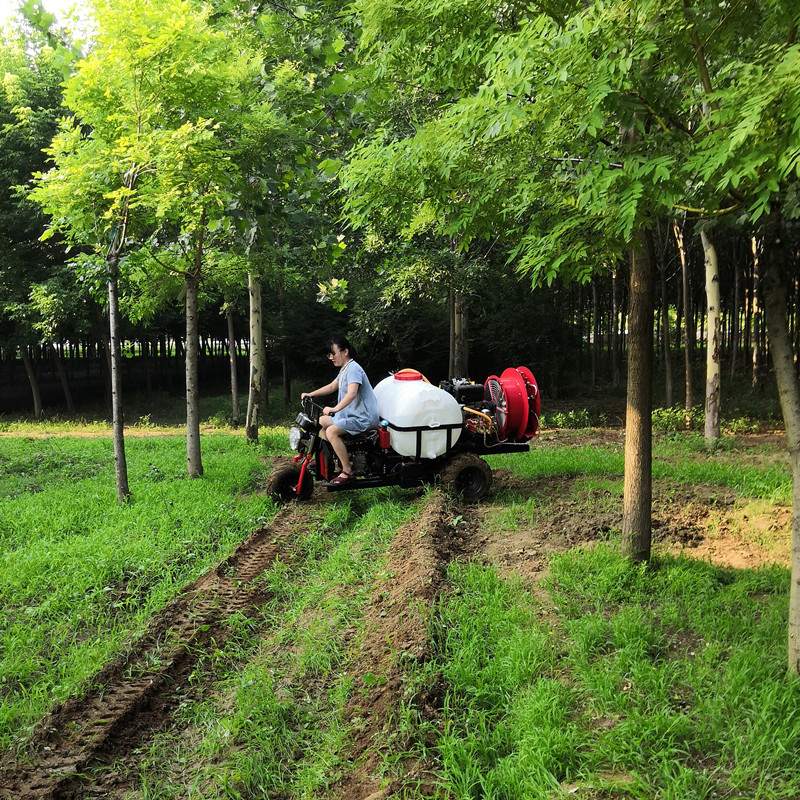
[{"x": 303, "y": 470}]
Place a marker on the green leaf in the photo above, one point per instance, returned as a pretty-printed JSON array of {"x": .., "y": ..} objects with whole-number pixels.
[{"x": 330, "y": 166}]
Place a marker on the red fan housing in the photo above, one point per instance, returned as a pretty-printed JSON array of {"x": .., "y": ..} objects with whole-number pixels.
[{"x": 515, "y": 395}]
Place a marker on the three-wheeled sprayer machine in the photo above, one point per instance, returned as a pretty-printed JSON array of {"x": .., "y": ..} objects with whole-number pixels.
[{"x": 426, "y": 433}]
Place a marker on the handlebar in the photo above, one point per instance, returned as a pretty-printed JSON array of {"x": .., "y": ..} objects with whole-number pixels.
[{"x": 309, "y": 405}]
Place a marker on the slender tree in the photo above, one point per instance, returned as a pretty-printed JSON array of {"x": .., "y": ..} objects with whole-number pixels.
[
  {"x": 714, "y": 340},
  {"x": 93, "y": 193},
  {"x": 677, "y": 230},
  {"x": 30, "y": 371},
  {"x": 756, "y": 314},
  {"x": 747, "y": 159},
  {"x": 776, "y": 297},
  {"x": 257, "y": 359},
  {"x": 232, "y": 359},
  {"x": 637, "y": 493}
]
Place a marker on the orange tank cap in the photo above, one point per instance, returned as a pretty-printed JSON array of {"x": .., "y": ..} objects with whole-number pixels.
[{"x": 408, "y": 375}]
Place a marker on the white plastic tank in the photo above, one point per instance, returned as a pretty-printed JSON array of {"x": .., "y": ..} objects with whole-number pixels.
[{"x": 407, "y": 400}]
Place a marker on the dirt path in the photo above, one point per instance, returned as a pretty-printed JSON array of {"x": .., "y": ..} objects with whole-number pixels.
[
  {"x": 88, "y": 746},
  {"x": 396, "y": 634}
]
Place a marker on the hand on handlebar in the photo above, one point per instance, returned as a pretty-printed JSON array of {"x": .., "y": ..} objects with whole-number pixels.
[{"x": 328, "y": 410}]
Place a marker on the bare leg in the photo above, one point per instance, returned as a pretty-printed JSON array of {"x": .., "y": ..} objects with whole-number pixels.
[{"x": 333, "y": 434}]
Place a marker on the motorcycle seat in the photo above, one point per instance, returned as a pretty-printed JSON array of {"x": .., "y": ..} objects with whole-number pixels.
[{"x": 366, "y": 437}]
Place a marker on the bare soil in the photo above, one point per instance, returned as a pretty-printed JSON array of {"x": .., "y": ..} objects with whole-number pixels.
[{"x": 91, "y": 745}]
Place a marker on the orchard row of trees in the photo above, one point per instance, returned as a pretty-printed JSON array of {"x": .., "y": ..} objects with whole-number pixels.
[
  {"x": 393, "y": 154},
  {"x": 574, "y": 336}
]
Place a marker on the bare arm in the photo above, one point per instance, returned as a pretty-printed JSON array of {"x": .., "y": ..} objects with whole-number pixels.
[
  {"x": 349, "y": 396},
  {"x": 329, "y": 389}
]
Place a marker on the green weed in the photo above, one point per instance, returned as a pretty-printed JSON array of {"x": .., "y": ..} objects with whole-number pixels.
[
  {"x": 668, "y": 420},
  {"x": 80, "y": 574},
  {"x": 273, "y": 722},
  {"x": 676, "y": 419},
  {"x": 566, "y": 419},
  {"x": 515, "y": 514},
  {"x": 659, "y": 681}
]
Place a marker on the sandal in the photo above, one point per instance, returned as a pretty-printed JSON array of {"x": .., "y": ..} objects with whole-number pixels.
[{"x": 342, "y": 477}]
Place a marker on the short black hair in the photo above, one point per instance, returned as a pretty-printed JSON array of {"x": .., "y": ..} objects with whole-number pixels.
[{"x": 343, "y": 344}]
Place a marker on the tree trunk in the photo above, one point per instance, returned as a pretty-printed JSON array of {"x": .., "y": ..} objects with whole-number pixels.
[
  {"x": 665, "y": 335},
  {"x": 194, "y": 462},
  {"x": 678, "y": 329},
  {"x": 687, "y": 317},
  {"x": 264, "y": 393},
  {"x": 638, "y": 487},
  {"x": 232, "y": 360},
  {"x": 775, "y": 296},
  {"x": 583, "y": 339},
  {"x": 595, "y": 329},
  {"x": 147, "y": 361},
  {"x": 461, "y": 342},
  {"x": 107, "y": 366},
  {"x": 756, "y": 306},
  {"x": 286, "y": 380},
  {"x": 115, "y": 358},
  {"x": 38, "y": 409},
  {"x": 62, "y": 377},
  {"x": 737, "y": 299},
  {"x": 796, "y": 322},
  {"x": 256, "y": 360},
  {"x": 615, "y": 327},
  {"x": 451, "y": 357},
  {"x": 702, "y": 317},
  {"x": 713, "y": 345}
]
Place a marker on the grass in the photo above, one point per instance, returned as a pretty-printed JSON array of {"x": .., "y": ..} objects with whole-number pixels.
[
  {"x": 681, "y": 458},
  {"x": 80, "y": 574},
  {"x": 609, "y": 680},
  {"x": 275, "y": 722},
  {"x": 665, "y": 681},
  {"x": 158, "y": 412}
]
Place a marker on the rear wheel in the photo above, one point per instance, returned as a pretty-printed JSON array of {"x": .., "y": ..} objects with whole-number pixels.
[
  {"x": 283, "y": 480},
  {"x": 466, "y": 476}
]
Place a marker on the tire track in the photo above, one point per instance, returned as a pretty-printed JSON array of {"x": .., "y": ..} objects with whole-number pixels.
[
  {"x": 72, "y": 751},
  {"x": 395, "y": 634}
]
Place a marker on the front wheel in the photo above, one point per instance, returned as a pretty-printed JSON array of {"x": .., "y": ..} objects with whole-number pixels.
[
  {"x": 283, "y": 480},
  {"x": 467, "y": 476}
]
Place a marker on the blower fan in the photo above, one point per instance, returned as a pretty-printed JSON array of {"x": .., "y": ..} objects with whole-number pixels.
[{"x": 515, "y": 395}]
